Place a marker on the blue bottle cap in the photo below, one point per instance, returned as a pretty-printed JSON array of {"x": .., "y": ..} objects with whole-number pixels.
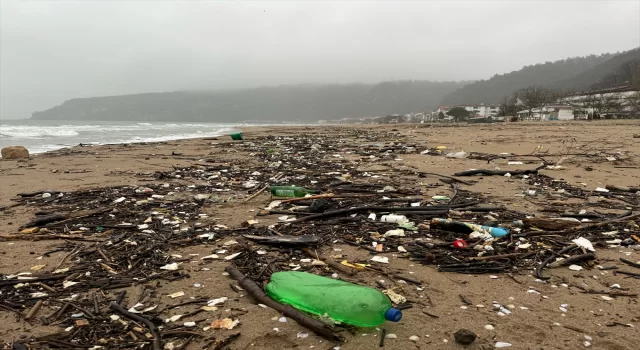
[
  {"x": 393, "y": 315},
  {"x": 498, "y": 231}
]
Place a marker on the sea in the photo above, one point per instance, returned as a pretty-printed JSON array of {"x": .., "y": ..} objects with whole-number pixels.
[{"x": 40, "y": 136}]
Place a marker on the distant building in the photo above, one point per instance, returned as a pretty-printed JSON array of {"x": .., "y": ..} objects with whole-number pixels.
[
  {"x": 482, "y": 110},
  {"x": 552, "y": 112}
]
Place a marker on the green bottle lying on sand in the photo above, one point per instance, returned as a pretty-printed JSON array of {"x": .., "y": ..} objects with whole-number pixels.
[
  {"x": 290, "y": 191},
  {"x": 342, "y": 301}
]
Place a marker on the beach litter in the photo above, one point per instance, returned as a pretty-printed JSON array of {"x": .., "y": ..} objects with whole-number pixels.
[{"x": 135, "y": 238}]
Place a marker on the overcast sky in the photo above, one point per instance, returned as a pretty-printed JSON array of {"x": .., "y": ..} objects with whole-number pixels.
[{"x": 56, "y": 50}]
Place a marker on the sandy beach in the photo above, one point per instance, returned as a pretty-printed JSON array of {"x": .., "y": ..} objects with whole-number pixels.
[{"x": 573, "y": 309}]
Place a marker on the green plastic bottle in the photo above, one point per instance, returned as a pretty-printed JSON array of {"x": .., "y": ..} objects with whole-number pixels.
[
  {"x": 290, "y": 191},
  {"x": 342, "y": 301}
]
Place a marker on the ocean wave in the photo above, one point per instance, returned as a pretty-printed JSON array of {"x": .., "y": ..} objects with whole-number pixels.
[
  {"x": 170, "y": 137},
  {"x": 29, "y": 132},
  {"x": 43, "y": 138}
]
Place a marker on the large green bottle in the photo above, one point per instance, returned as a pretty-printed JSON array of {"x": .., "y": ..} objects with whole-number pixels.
[
  {"x": 290, "y": 191},
  {"x": 342, "y": 301}
]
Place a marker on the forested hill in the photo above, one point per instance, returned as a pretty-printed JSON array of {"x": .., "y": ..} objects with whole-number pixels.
[
  {"x": 305, "y": 103},
  {"x": 622, "y": 69},
  {"x": 548, "y": 74}
]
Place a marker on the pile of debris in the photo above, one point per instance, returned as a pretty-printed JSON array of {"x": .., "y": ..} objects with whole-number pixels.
[{"x": 120, "y": 237}]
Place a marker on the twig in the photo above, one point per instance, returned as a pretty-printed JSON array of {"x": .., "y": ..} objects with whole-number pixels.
[
  {"x": 258, "y": 192},
  {"x": 632, "y": 274},
  {"x": 336, "y": 266},
  {"x": 430, "y": 314},
  {"x": 630, "y": 263},
  {"x": 487, "y": 172},
  {"x": 495, "y": 257},
  {"x": 27, "y": 237},
  {"x": 156, "y": 341},
  {"x": 446, "y": 177},
  {"x": 34, "y": 310}
]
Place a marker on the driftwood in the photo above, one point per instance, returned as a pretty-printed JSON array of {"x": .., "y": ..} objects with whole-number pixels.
[
  {"x": 287, "y": 240},
  {"x": 538, "y": 271},
  {"x": 44, "y": 219},
  {"x": 336, "y": 266},
  {"x": 630, "y": 263},
  {"x": 434, "y": 209},
  {"x": 157, "y": 340},
  {"x": 36, "y": 237},
  {"x": 487, "y": 172},
  {"x": 35, "y": 193},
  {"x": 256, "y": 194},
  {"x": 573, "y": 259},
  {"x": 57, "y": 219},
  {"x": 446, "y": 177},
  {"x": 621, "y": 218},
  {"x": 317, "y": 326},
  {"x": 616, "y": 188}
]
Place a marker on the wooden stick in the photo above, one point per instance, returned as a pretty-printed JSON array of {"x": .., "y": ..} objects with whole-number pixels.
[
  {"x": 326, "y": 195},
  {"x": 257, "y": 193},
  {"x": 336, "y": 266},
  {"x": 27, "y": 237},
  {"x": 156, "y": 341},
  {"x": 487, "y": 172},
  {"x": 277, "y": 177},
  {"x": 34, "y": 310},
  {"x": 318, "y": 327},
  {"x": 495, "y": 257}
]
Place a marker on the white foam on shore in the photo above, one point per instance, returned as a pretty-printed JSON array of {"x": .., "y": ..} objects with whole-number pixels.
[{"x": 45, "y": 138}]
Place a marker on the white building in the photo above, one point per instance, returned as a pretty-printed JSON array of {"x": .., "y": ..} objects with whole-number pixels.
[
  {"x": 603, "y": 103},
  {"x": 552, "y": 112},
  {"x": 481, "y": 110}
]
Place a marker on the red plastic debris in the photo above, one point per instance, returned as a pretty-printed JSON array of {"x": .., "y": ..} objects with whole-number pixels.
[{"x": 460, "y": 243}]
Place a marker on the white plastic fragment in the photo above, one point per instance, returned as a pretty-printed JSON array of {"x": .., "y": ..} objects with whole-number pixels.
[
  {"x": 217, "y": 301},
  {"x": 210, "y": 257},
  {"x": 380, "y": 259},
  {"x": 176, "y": 294},
  {"x": 173, "y": 318},
  {"x": 232, "y": 256},
  {"x": 67, "y": 284},
  {"x": 394, "y": 233},
  {"x": 575, "y": 267},
  {"x": 395, "y": 297},
  {"x": 170, "y": 267},
  {"x": 584, "y": 243},
  {"x": 501, "y": 344}
]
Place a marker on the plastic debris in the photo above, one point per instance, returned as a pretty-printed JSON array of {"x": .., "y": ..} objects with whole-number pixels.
[
  {"x": 380, "y": 259},
  {"x": 225, "y": 323},
  {"x": 460, "y": 243},
  {"x": 584, "y": 243},
  {"x": 501, "y": 344},
  {"x": 170, "y": 267},
  {"x": 395, "y": 297}
]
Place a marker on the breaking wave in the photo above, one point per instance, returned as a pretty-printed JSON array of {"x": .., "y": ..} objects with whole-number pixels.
[{"x": 43, "y": 137}]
